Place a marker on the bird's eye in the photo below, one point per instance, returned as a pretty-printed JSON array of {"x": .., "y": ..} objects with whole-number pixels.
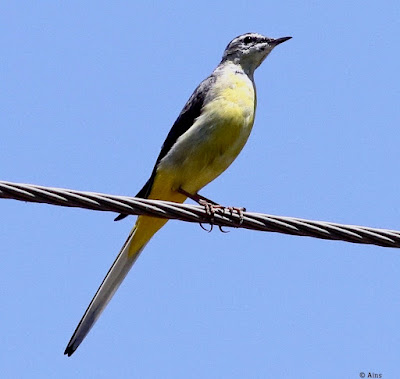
[{"x": 248, "y": 39}]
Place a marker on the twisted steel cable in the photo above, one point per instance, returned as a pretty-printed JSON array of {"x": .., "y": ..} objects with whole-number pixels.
[{"x": 195, "y": 213}]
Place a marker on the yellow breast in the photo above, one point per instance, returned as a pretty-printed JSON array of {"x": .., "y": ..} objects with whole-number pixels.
[{"x": 229, "y": 115}]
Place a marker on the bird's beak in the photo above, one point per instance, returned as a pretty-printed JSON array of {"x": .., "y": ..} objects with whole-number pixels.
[{"x": 276, "y": 42}]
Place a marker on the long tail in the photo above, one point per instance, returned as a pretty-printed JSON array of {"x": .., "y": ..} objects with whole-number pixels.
[{"x": 141, "y": 233}]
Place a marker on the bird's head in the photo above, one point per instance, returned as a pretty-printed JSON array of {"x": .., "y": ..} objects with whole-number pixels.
[{"x": 250, "y": 49}]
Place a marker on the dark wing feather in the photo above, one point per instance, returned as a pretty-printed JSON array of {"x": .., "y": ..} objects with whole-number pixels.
[{"x": 185, "y": 120}]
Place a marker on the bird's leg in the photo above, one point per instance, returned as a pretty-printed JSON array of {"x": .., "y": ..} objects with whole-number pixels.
[
  {"x": 209, "y": 205},
  {"x": 212, "y": 207},
  {"x": 197, "y": 197}
]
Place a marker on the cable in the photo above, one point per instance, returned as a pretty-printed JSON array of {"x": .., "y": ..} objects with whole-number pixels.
[{"x": 195, "y": 213}]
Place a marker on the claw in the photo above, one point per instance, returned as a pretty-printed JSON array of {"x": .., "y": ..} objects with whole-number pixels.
[
  {"x": 222, "y": 230},
  {"x": 207, "y": 230}
]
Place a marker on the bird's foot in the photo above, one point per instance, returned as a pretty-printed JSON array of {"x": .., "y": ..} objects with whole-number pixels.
[{"x": 212, "y": 208}]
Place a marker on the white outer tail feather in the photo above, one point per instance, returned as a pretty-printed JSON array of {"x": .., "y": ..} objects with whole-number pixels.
[{"x": 110, "y": 284}]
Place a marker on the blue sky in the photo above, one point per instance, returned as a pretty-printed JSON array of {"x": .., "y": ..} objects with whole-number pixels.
[{"x": 89, "y": 92}]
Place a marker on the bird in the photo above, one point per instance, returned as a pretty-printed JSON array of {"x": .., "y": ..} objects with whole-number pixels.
[{"x": 207, "y": 136}]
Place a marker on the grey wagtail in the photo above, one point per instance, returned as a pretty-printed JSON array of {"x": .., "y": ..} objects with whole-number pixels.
[{"x": 207, "y": 136}]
